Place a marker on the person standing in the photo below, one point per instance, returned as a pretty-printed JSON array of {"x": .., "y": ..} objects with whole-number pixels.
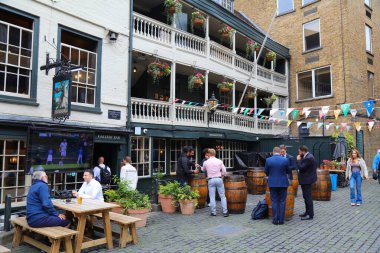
[
  {"x": 307, "y": 176},
  {"x": 292, "y": 160},
  {"x": 376, "y": 164},
  {"x": 129, "y": 173},
  {"x": 215, "y": 171},
  {"x": 278, "y": 171},
  {"x": 184, "y": 165},
  {"x": 356, "y": 171},
  {"x": 102, "y": 173},
  {"x": 91, "y": 188},
  {"x": 63, "y": 151}
]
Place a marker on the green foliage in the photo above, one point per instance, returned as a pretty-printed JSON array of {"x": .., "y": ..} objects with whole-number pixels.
[
  {"x": 135, "y": 200},
  {"x": 185, "y": 192},
  {"x": 111, "y": 195},
  {"x": 270, "y": 100},
  {"x": 176, "y": 4},
  {"x": 349, "y": 139},
  {"x": 170, "y": 188},
  {"x": 198, "y": 15}
]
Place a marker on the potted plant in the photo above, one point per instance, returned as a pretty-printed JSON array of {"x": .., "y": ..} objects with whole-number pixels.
[
  {"x": 195, "y": 81},
  {"x": 158, "y": 70},
  {"x": 172, "y": 7},
  {"x": 270, "y": 56},
  {"x": 226, "y": 32},
  {"x": 250, "y": 95},
  {"x": 270, "y": 100},
  {"x": 112, "y": 196},
  {"x": 225, "y": 86},
  {"x": 137, "y": 205},
  {"x": 188, "y": 199},
  {"x": 198, "y": 19},
  {"x": 167, "y": 196},
  {"x": 250, "y": 48}
]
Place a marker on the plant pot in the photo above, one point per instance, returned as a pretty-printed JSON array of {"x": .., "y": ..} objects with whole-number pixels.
[
  {"x": 257, "y": 49},
  {"x": 225, "y": 36},
  {"x": 225, "y": 89},
  {"x": 269, "y": 58},
  {"x": 142, "y": 214},
  {"x": 198, "y": 21},
  {"x": 172, "y": 10},
  {"x": 166, "y": 203},
  {"x": 187, "y": 206},
  {"x": 250, "y": 97},
  {"x": 118, "y": 209},
  {"x": 198, "y": 82}
]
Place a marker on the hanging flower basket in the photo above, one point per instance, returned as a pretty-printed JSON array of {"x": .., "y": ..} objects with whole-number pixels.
[
  {"x": 158, "y": 70},
  {"x": 270, "y": 100},
  {"x": 172, "y": 7},
  {"x": 226, "y": 32},
  {"x": 195, "y": 81},
  {"x": 250, "y": 95},
  {"x": 198, "y": 19},
  {"x": 250, "y": 48},
  {"x": 270, "y": 56},
  {"x": 225, "y": 86}
]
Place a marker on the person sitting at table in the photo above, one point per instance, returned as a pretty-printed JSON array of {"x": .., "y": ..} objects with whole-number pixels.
[
  {"x": 40, "y": 211},
  {"x": 91, "y": 189}
]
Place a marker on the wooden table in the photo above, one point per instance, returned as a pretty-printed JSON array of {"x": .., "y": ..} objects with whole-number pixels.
[{"x": 81, "y": 211}]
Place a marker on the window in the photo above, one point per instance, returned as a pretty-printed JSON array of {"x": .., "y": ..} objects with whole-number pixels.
[
  {"x": 306, "y": 2},
  {"x": 281, "y": 102},
  {"x": 284, "y": 6},
  {"x": 368, "y": 39},
  {"x": 12, "y": 168},
  {"x": 371, "y": 84},
  {"x": 82, "y": 51},
  {"x": 140, "y": 149},
  {"x": 311, "y": 35},
  {"x": 176, "y": 149},
  {"x": 225, "y": 150},
  {"x": 16, "y": 52},
  {"x": 314, "y": 83},
  {"x": 159, "y": 155},
  {"x": 368, "y": 3}
]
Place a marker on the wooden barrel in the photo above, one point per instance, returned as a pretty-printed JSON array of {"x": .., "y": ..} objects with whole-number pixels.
[
  {"x": 255, "y": 180},
  {"x": 295, "y": 181},
  {"x": 321, "y": 190},
  {"x": 199, "y": 182},
  {"x": 289, "y": 206},
  {"x": 236, "y": 193}
]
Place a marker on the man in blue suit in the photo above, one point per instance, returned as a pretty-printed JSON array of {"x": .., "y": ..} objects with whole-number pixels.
[
  {"x": 278, "y": 172},
  {"x": 292, "y": 160}
]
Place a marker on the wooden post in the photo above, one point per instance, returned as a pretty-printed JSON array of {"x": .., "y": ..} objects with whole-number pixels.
[{"x": 107, "y": 228}]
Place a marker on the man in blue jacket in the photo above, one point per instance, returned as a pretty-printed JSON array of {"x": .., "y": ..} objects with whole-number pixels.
[
  {"x": 376, "y": 164},
  {"x": 278, "y": 172},
  {"x": 40, "y": 211}
]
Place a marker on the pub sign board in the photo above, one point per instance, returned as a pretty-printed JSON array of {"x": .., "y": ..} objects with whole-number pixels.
[{"x": 61, "y": 100}]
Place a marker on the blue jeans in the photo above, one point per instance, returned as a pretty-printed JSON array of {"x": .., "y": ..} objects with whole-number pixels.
[
  {"x": 213, "y": 185},
  {"x": 356, "y": 179}
]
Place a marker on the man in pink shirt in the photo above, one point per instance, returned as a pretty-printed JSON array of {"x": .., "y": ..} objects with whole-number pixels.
[{"x": 215, "y": 171}]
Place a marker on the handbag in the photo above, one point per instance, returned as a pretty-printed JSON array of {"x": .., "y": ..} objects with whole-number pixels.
[
  {"x": 374, "y": 175},
  {"x": 260, "y": 211}
]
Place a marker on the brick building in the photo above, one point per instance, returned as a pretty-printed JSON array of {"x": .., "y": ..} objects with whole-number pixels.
[{"x": 333, "y": 47}]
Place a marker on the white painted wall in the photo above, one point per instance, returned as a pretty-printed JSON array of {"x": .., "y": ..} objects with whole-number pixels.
[{"x": 94, "y": 17}]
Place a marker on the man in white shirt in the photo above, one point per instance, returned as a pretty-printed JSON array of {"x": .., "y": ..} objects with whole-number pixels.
[
  {"x": 129, "y": 173},
  {"x": 98, "y": 175},
  {"x": 91, "y": 189}
]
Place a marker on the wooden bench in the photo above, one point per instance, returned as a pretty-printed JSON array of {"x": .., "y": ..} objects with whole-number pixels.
[
  {"x": 126, "y": 223},
  {"x": 55, "y": 235},
  {"x": 4, "y": 250}
]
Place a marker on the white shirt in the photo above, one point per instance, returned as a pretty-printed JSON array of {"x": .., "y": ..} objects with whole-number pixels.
[
  {"x": 97, "y": 171},
  {"x": 129, "y": 173},
  {"x": 91, "y": 190}
]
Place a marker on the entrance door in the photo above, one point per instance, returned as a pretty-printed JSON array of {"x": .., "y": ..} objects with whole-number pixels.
[{"x": 109, "y": 152}]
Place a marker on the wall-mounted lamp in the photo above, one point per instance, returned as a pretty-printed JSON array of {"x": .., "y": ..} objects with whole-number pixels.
[
  {"x": 212, "y": 103},
  {"x": 134, "y": 69},
  {"x": 113, "y": 36}
]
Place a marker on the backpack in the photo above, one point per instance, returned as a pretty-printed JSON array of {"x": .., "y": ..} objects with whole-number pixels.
[
  {"x": 105, "y": 175},
  {"x": 260, "y": 211}
]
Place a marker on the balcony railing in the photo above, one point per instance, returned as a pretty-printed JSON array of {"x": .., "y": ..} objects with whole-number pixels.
[
  {"x": 158, "y": 112},
  {"x": 157, "y": 32}
]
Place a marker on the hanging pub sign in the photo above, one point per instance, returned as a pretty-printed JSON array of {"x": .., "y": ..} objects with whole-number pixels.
[{"x": 61, "y": 101}]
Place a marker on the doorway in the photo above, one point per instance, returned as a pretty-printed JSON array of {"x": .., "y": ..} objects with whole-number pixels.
[{"x": 109, "y": 152}]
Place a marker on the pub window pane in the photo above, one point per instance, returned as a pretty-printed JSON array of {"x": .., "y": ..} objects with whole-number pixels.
[
  {"x": 3, "y": 33},
  {"x": 305, "y": 2},
  {"x": 322, "y": 82},
  {"x": 14, "y": 36},
  {"x": 90, "y": 96},
  {"x": 26, "y": 39},
  {"x": 11, "y": 83},
  {"x": 368, "y": 3},
  {"x": 284, "y": 6},
  {"x": 23, "y": 85},
  {"x": 2, "y": 81},
  {"x": 314, "y": 83},
  {"x": 311, "y": 35},
  {"x": 305, "y": 85},
  {"x": 368, "y": 38}
]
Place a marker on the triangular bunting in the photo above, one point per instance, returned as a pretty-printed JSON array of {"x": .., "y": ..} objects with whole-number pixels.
[
  {"x": 345, "y": 109},
  {"x": 353, "y": 112},
  {"x": 320, "y": 124},
  {"x": 282, "y": 112},
  {"x": 246, "y": 111},
  {"x": 260, "y": 111},
  {"x": 242, "y": 109},
  {"x": 348, "y": 127},
  {"x": 299, "y": 123},
  {"x": 273, "y": 111},
  {"x": 289, "y": 110},
  {"x": 307, "y": 113},
  {"x": 357, "y": 125},
  {"x": 336, "y": 113},
  {"x": 295, "y": 112},
  {"x": 370, "y": 125},
  {"x": 368, "y": 106},
  {"x": 325, "y": 110},
  {"x": 343, "y": 125},
  {"x": 289, "y": 122},
  {"x": 337, "y": 127},
  {"x": 321, "y": 114},
  {"x": 309, "y": 124},
  {"x": 235, "y": 110}
]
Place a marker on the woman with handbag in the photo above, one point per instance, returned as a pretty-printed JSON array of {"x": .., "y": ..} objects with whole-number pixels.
[{"x": 356, "y": 171}]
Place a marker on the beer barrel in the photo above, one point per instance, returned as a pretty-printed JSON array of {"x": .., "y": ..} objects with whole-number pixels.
[
  {"x": 289, "y": 206},
  {"x": 321, "y": 190},
  {"x": 255, "y": 180},
  {"x": 199, "y": 182},
  {"x": 236, "y": 193},
  {"x": 295, "y": 181}
]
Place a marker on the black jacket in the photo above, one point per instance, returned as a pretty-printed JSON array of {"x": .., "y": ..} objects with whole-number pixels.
[
  {"x": 184, "y": 167},
  {"x": 307, "y": 169}
]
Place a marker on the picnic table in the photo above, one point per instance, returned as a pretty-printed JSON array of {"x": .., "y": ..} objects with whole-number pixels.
[{"x": 81, "y": 211}]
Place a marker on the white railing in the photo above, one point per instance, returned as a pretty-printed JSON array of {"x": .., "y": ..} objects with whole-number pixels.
[
  {"x": 190, "y": 42},
  {"x": 264, "y": 72},
  {"x": 146, "y": 110},
  {"x": 190, "y": 114},
  {"x": 279, "y": 78},
  {"x": 221, "y": 53},
  {"x": 151, "y": 29},
  {"x": 243, "y": 64},
  {"x": 221, "y": 119}
]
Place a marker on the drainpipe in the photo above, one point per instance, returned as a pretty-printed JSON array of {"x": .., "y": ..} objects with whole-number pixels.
[
  {"x": 129, "y": 88},
  {"x": 289, "y": 100}
]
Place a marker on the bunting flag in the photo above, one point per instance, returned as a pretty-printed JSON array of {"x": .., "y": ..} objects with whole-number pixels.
[
  {"x": 183, "y": 102},
  {"x": 262, "y": 117},
  {"x": 299, "y": 123},
  {"x": 305, "y": 109},
  {"x": 282, "y": 112},
  {"x": 242, "y": 109},
  {"x": 307, "y": 113},
  {"x": 370, "y": 125},
  {"x": 357, "y": 126},
  {"x": 246, "y": 111},
  {"x": 320, "y": 124},
  {"x": 289, "y": 110},
  {"x": 348, "y": 128},
  {"x": 272, "y": 111},
  {"x": 343, "y": 126},
  {"x": 278, "y": 121},
  {"x": 175, "y": 100},
  {"x": 353, "y": 112},
  {"x": 289, "y": 122},
  {"x": 368, "y": 106},
  {"x": 337, "y": 127},
  {"x": 336, "y": 113},
  {"x": 325, "y": 110},
  {"x": 235, "y": 110},
  {"x": 190, "y": 103},
  {"x": 251, "y": 110},
  {"x": 295, "y": 112},
  {"x": 345, "y": 109},
  {"x": 309, "y": 124},
  {"x": 260, "y": 111},
  {"x": 328, "y": 126},
  {"x": 321, "y": 114}
]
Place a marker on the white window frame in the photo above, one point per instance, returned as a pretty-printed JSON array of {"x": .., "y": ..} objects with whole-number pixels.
[
  {"x": 158, "y": 160},
  {"x": 320, "y": 35},
  {"x": 173, "y": 160},
  {"x": 370, "y": 38},
  {"x": 303, "y": 2},
  {"x": 369, "y": 4},
  {"x": 134, "y": 163},
  {"x": 225, "y": 151},
  {"x": 6, "y": 64},
  {"x": 313, "y": 84},
  {"x": 278, "y": 13}
]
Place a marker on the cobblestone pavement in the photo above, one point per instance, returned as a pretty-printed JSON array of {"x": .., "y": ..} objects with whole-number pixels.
[{"x": 337, "y": 227}]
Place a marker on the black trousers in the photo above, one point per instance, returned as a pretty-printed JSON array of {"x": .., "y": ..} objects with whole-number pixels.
[{"x": 306, "y": 193}]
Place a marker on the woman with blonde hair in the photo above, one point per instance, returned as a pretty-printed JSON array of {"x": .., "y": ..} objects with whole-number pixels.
[{"x": 356, "y": 171}]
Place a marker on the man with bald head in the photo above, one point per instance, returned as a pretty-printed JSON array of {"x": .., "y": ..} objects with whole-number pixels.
[{"x": 102, "y": 173}]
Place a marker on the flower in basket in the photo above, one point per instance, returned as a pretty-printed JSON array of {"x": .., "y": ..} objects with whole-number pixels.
[
  {"x": 227, "y": 32},
  {"x": 198, "y": 19},
  {"x": 250, "y": 47},
  {"x": 158, "y": 70},
  {"x": 271, "y": 56},
  {"x": 172, "y": 7},
  {"x": 195, "y": 81},
  {"x": 250, "y": 94},
  {"x": 270, "y": 100},
  {"x": 225, "y": 86}
]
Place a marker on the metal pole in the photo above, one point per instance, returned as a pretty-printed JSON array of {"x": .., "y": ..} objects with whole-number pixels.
[
  {"x": 156, "y": 191},
  {"x": 7, "y": 212}
]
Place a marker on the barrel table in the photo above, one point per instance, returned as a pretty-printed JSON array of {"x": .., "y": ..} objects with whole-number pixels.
[
  {"x": 321, "y": 190},
  {"x": 295, "y": 181},
  {"x": 289, "y": 206},
  {"x": 199, "y": 182},
  {"x": 236, "y": 193},
  {"x": 255, "y": 180}
]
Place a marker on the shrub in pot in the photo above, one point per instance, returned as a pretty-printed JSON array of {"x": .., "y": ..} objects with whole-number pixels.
[
  {"x": 167, "y": 196},
  {"x": 112, "y": 196},
  {"x": 188, "y": 199},
  {"x": 137, "y": 205}
]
